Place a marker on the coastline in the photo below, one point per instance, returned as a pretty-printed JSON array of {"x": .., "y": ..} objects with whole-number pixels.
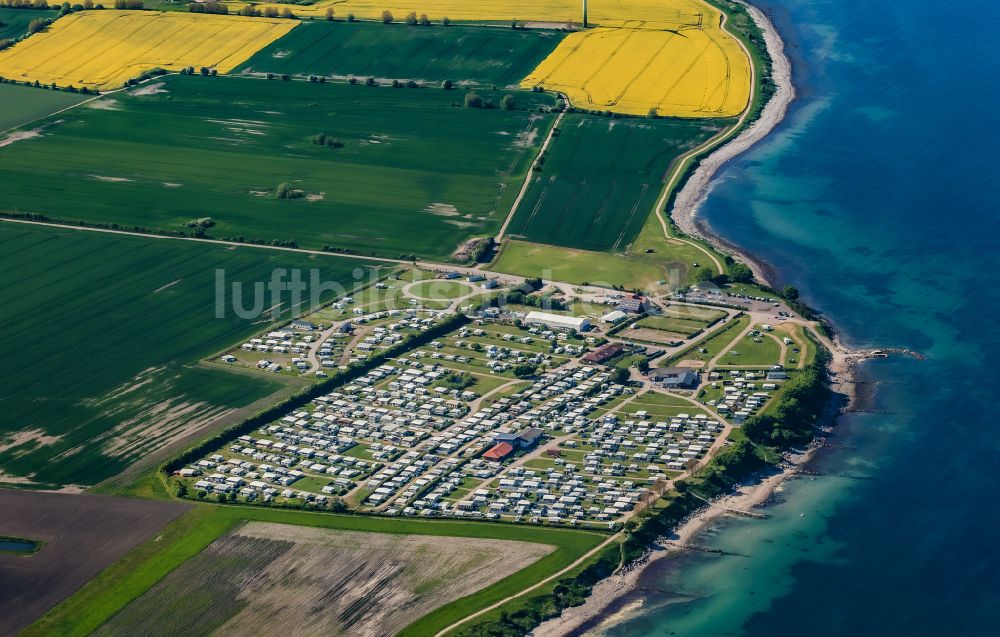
[
  {"x": 578, "y": 619},
  {"x": 699, "y": 184},
  {"x": 753, "y": 495}
]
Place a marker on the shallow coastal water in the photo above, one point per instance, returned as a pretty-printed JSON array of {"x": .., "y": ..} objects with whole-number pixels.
[{"x": 878, "y": 198}]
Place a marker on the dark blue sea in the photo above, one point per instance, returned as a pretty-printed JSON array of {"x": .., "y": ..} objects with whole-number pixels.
[{"x": 879, "y": 198}]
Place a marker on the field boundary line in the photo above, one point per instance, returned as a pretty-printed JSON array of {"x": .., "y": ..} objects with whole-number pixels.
[
  {"x": 424, "y": 265},
  {"x": 528, "y": 177},
  {"x": 495, "y": 605}
]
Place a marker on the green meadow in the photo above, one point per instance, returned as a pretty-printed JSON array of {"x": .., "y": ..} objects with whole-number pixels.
[
  {"x": 601, "y": 178},
  {"x": 102, "y": 340},
  {"x": 400, "y": 171},
  {"x": 481, "y": 55},
  {"x": 25, "y": 104}
]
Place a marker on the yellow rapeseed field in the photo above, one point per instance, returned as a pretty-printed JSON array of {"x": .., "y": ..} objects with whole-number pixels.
[
  {"x": 102, "y": 49},
  {"x": 688, "y": 73},
  {"x": 668, "y": 55}
]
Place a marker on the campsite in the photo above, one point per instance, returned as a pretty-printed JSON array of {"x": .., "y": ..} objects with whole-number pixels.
[{"x": 365, "y": 320}]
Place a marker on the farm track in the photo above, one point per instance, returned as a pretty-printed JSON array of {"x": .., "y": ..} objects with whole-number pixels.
[{"x": 528, "y": 177}]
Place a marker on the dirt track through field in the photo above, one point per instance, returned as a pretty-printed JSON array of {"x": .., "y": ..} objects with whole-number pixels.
[{"x": 83, "y": 534}]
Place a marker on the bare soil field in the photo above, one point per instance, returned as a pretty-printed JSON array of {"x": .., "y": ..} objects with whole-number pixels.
[
  {"x": 266, "y": 578},
  {"x": 82, "y": 535},
  {"x": 654, "y": 336}
]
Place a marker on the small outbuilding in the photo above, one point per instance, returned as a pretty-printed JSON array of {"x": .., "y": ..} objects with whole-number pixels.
[{"x": 675, "y": 377}]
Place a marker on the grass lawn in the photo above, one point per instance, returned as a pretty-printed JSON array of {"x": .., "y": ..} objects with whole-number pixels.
[
  {"x": 415, "y": 175},
  {"x": 651, "y": 263},
  {"x": 25, "y": 104},
  {"x": 601, "y": 178},
  {"x": 500, "y": 56},
  {"x": 484, "y": 384},
  {"x": 439, "y": 289},
  {"x": 578, "y": 266},
  {"x": 103, "y": 336},
  {"x": 656, "y": 399},
  {"x": 714, "y": 343},
  {"x": 102, "y": 597},
  {"x": 762, "y": 351},
  {"x": 690, "y": 313}
]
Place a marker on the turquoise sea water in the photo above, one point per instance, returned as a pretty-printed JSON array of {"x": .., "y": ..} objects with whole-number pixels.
[{"x": 878, "y": 197}]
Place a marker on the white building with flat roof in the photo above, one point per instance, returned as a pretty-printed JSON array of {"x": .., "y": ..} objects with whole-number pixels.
[
  {"x": 614, "y": 317},
  {"x": 558, "y": 321}
]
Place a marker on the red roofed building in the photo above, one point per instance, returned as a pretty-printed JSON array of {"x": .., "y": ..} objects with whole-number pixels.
[
  {"x": 499, "y": 452},
  {"x": 604, "y": 352}
]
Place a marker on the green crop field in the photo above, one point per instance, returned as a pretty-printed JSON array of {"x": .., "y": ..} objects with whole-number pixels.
[
  {"x": 481, "y": 55},
  {"x": 102, "y": 337},
  {"x": 415, "y": 174},
  {"x": 601, "y": 178},
  {"x": 25, "y": 104},
  {"x": 14, "y": 22}
]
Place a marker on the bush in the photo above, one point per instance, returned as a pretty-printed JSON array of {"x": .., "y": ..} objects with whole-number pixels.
[
  {"x": 387, "y": 17},
  {"x": 411, "y": 18},
  {"x": 474, "y": 100},
  {"x": 208, "y": 7},
  {"x": 38, "y": 24},
  {"x": 507, "y": 103},
  {"x": 740, "y": 273},
  {"x": 525, "y": 370},
  {"x": 792, "y": 419},
  {"x": 285, "y": 191}
]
